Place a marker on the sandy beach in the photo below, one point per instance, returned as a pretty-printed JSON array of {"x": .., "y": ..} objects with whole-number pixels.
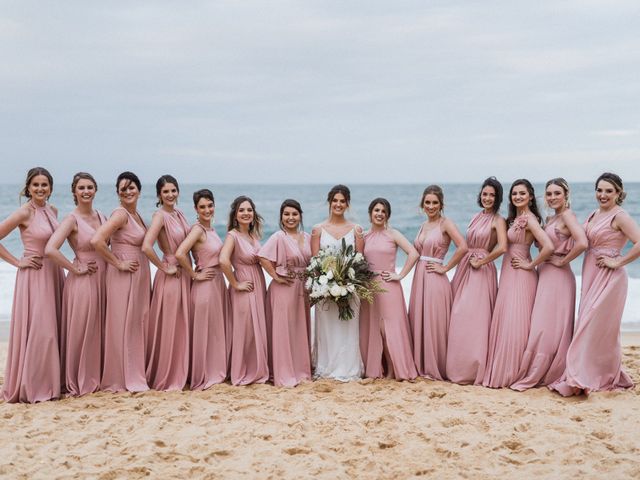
[{"x": 324, "y": 429}]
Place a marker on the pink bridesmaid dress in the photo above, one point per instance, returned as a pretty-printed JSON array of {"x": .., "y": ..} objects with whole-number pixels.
[
  {"x": 33, "y": 369},
  {"x": 430, "y": 307},
  {"x": 385, "y": 339},
  {"x": 127, "y": 315},
  {"x": 83, "y": 311},
  {"x": 551, "y": 320},
  {"x": 474, "y": 296},
  {"x": 594, "y": 358},
  {"x": 512, "y": 313},
  {"x": 249, "y": 351},
  {"x": 210, "y": 318},
  {"x": 288, "y": 312},
  {"x": 168, "y": 333}
]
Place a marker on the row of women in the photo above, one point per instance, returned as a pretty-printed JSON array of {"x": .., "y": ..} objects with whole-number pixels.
[{"x": 105, "y": 328}]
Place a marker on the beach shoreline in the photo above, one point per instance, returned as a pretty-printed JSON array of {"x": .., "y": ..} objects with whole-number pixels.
[{"x": 327, "y": 429}]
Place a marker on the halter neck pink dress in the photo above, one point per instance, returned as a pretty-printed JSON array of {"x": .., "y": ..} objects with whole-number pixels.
[
  {"x": 249, "y": 351},
  {"x": 512, "y": 312},
  {"x": 83, "y": 311},
  {"x": 32, "y": 371},
  {"x": 474, "y": 296},
  {"x": 210, "y": 317},
  {"x": 385, "y": 337},
  {"x": 430, "y": 306},
  {"x": 168, "y": 335},
  {"x": 288, "y": 311},
  {"x": 594, "y": 358},
  {"x": 551, "y": 319},
  {"x": 127, "y": 315}
]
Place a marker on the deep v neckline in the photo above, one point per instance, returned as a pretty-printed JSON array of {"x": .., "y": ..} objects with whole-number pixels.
[{"x": 337, "y": 239}]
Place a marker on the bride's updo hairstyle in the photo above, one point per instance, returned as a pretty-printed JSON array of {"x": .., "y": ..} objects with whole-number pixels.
[
  {"x": 616, "y": 181},
  {"x": 343, "y": 189},
  {"x": 255, "y": 227}
]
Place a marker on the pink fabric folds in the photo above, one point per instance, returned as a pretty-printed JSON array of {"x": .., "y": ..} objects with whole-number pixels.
[
  {"x": 167, "y": 350},
  {"x": 288, "y": 311},
  {"x": 83, "y": 313},
  {"x": 474, "y": 296},
  {"x": 512, "y": 313},
  {"x": 127, "y": 313},
  {"x": 210, "y": 318},
  {"x": 32, "y": 372},
  {"x": 594, "y": 358},
  {"x": 249, "y": 351},
  {"x": 430, "y": 308},
  {"x": 551, "y": 319},
  {"x": 385, "y": 337}
]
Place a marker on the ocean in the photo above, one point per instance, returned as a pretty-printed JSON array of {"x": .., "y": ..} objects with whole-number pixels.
[{"x": 460, "y": 206}]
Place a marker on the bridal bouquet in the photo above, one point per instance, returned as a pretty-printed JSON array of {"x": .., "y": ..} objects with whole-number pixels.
[{"x": 337, "y": 275}]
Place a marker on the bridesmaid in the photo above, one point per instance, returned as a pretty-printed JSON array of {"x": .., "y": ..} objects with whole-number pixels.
[
  {"x": 518, "y": 281},
  {"x": 128, "y": 291},
  {"x": 431, "y": 297},
  {"x": 554, "y": 306},
  {"x": 167, "y": 346},
  {"x": 385, "y": 340},
  {"x": 285, "y": 256},
  {"x": 594, "y": 356},
  {"x": 33, "y": 371},
  {"x": 83, "y": 299},
  {"x": 209, "y": 307},
  {"x": 474, "y": 287},
  {"x": 239, "y": 263}
]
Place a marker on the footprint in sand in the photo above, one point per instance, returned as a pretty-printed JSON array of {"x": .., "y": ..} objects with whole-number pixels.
[{"x": 297, "y": 451}]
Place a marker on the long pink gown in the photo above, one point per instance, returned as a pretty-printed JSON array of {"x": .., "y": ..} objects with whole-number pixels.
[
  {"x": 127, "y": 315},
  {"x": 594, "y": 358},
  {"x": 249, "y": 351},
  {"x": 512, "y": 313},
  {"x": 385, "y": 338},
  {"x": 551, "y": 319},
  {"x": 474, "y": 297},
  {"x": 32, "y": 371},
  {"x": 430, "y": 307},
  {"x": 83, "y": 313},
  {"x": 288, "y": 311},
  {"x": 168, "y": 334},
  {"x": 210, "y": 318}
]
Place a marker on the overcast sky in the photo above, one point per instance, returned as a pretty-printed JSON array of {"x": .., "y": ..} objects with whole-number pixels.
[{"x": 319, "y": 92}]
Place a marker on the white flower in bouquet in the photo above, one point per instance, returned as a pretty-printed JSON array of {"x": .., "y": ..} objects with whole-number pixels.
[
  {"x": 330, "y": 274},
  {"x": 336, "y": 290},
  {"x": 324, "y": 290},
  {"x": 324, "y": 279},
  {"x": 343, "y": 291},
  {"x": 359, "y": 257},
  {"x": 308, "y": 283},
  {"x": 351, "y": 287},
  {"x": 352, "y": 273}
]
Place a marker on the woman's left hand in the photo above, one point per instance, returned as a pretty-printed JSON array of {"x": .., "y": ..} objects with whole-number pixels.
[
  {"x": 521, "y": 263},
  {"x": 390, "y": 276},
  {"x": 433, "y": 267}
]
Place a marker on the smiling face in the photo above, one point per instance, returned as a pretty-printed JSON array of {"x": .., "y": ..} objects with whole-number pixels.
[
  {"x": 488, "y": 198},
  {"x": 606, "y": 194},
  {"x": 84, "y": 192},
  {"x": 168, "y": 195},
  {"x": 556, "y": 197},
  {"x": 244, "y": 214},
  {"x": 338, "y": 204},
  {"x": 290, "y": 218},
  {"x": 40, "y": 189},
  {"x": 431, "y": 205},
  {"x": 205, "y": 210},
  {"x": 379, "y": 215},
  {"x": 520, "y": 196},
  {"x": 128, "y": 193}
]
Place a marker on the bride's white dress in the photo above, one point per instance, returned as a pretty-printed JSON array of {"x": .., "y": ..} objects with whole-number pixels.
[{"x": 337, "y": 342}]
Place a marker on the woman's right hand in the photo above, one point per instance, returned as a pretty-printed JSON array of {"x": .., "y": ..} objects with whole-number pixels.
[
  {"x": 88, "y": 268},
  {"x": 130, "y": 266},
  {"x": 283, "y": 280},
  {"x": 204, "y": 275},
  {"x": 34, "y": 262},
  {"x": 244, "y": 287}
]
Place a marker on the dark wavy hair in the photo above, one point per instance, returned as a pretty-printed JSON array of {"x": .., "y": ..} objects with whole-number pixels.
[
  {"x": 255, "y": 228},
  {"x": 31, "y": 174},
  {"x": 433, "y": 190},
  {"x": 533, "y": 205},
  {"x": 616, "y": 181},
  {"x": 200, "y": 194},
  {"x": 384, "y": 202},
  {"x": 162, "y": 181},
  {"x": 130, "y": 177},
  {"x": 336, "y": 189},
  {"x": 291, "y": 203},
  {"x": 497, "y": 187},
  {"x": 81, "y": 176}
]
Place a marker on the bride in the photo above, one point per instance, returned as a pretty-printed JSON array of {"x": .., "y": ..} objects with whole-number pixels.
[{"x": 336, "y": 350}]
